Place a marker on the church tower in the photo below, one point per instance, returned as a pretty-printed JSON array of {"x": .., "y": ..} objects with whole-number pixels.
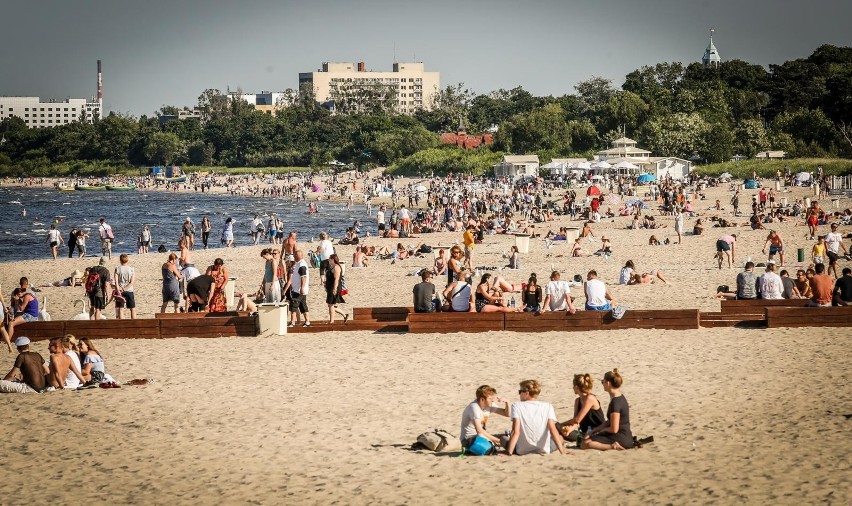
[{"x": 711, "y": 54}]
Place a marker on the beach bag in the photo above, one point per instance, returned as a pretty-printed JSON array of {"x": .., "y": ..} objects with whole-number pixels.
[
  {"x": 618, "y": 312},
  {"x": 108, "y": 233},
  {"x": 313, "y": 259},
  {"x": 481, "y": 446},
  {"x": 93, "y": 283},
  {"x": 438, "y": 440}
]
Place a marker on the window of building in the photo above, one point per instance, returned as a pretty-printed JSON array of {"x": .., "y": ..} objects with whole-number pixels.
[
  {"x": 42, "y": 117},
  {"x": 66, "y": 109},
  {"x": 42, "y": 109},
  {"x": 25, "y": 108},
  {"x": 11, "y": 109},
  {"x": 26, "y": 115}
]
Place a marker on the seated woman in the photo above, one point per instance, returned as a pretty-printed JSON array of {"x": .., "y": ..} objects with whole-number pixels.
[
  {"x": 488, "y": 300},
  {"x": 588, "y": 413},
  {"x": 351, "y": 236},
  {"x": 577, "y": 250},
  {"x": 533, "y": 424},
  {"x": 514, "y": 258},
  {"x": 626, "y": 274},
  {"x": 459, "y": 298},
  {"x": 698, "y": 229},
  {"x": 475, "y": 416},
  {"x": 606, "y": 247},
  {"x": 94, "y": 370},
  {"x": 25, "y": 307},
  {"x": 531, "y": 298},
  {"x": 653, "y": 241},
  {"x": 615, "y": 433}
]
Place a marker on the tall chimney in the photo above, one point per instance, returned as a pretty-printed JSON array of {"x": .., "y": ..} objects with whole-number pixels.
[{"x": 100, "y": 84}]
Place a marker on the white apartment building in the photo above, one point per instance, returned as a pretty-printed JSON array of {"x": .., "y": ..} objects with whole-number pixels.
[
  {"x": 38, "y": 114},
  {"x": 265, "y": 101},
  {"x": 411, "y": 87}
]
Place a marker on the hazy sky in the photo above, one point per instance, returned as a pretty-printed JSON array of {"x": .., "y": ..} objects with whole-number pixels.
[{"x": 158, "y": 52}]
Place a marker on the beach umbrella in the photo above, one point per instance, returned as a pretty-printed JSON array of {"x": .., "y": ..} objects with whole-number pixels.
[
  {"x": 603, "y": 164},
  {"x": 803, "y": 176},
  {"x": 646, "y": 178},
  {"x": 420, "y": 188},
  {"x": 593, "y": 190},
  {"x": 316, "y": 188},
  {"x": 750, "y": 184},
  {"x": 612, "y": 199},
  {"x": 597, "y": 177},
  {"x": 624, "y": 164},
  {"x": 584, "y": 166},
  {"x": 726, "y": 175}
]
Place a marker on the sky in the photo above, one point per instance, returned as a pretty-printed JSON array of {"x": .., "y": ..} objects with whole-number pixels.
[{"x": 167, "y": 52}]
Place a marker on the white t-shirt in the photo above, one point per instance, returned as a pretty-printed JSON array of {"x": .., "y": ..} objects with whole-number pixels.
[
  {"x": 625, "y": 276},
  {"x": 595, "y": 292},
  {"x": 557, "y": 291},
  {"x": 771, "y": 286},
  {"x": 534, "y": 436},
  {"x": 473, "y": 412},
  {"x": 326, "y": 249},
  {"x": 71, "y": 379},
  {"x": 53, "y": 235},
  {"x": 380, "y": 217},
  {"x": 104, "y": 231},
  {"x": 300, "y": 283},
  {"x": 832, "y": 241},
  {"x": 403, "y": 214}
]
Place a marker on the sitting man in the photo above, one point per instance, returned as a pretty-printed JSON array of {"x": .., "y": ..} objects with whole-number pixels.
[
  {"x": 424, "y": 294},
  {"x": 533, "y": 424},
  {"x": 27, "y": 375},
  {"x": 598, "y": 297},
  {"x": 475, "y": 416},
  {"x": 843, "y": 289}
]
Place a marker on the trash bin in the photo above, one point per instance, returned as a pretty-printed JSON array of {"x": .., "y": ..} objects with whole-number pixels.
[
  {"x": 800, "y": 254},
  {"x": 523, "y": 243},
  {"x": 229, "y": 293},
  {"x": 273, "y": 317},
  {"x": 572, "y": 233},
  {"x": 778, "y": 186},
  {"x": 784, "y": 201},
  {"x": 807, "y": 202}
]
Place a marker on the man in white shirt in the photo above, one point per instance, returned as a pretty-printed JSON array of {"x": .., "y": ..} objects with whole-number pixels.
[
  {"x": 533, "y": 424},
  {"x": 299, "y": 285},
  {"x": 55, "y": 239},
  {"x": 256, "y": 229},
  {"x": 557, "y": 295},
  {"x": 598, "y": 297},
  {"x": 475, "y": 416},
  {"x": 380, "y": 219},
  {"x": 771, "y": 286},
  {"x": 324, "y": 250},
  {"x": 833, "y": 244}
]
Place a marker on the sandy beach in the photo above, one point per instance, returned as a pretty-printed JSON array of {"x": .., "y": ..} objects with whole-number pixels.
[{"x": 751, "y": 416}]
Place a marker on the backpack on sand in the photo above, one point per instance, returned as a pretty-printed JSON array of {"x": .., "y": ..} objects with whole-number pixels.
[{"x": 437, "y": 440}]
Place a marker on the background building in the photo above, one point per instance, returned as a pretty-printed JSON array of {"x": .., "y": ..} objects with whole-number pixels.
[
  {"x": 265, "y": 101},
  {"x": 711, "y": 54},
  {"x": 38, "y": 114},
  {"x": 405, "y": 89}
]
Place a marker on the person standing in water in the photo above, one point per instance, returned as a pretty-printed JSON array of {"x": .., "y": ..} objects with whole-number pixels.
[{"x": 55, "y": 239}]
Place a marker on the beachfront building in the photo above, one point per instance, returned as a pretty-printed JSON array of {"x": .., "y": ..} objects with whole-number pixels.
[
  {"x": 711, "y": 56},
  {"x": 625, "y": 150},
  {"x": 350, "y": 87},
  {"x": 517, "y": 166},
  {"x": 771, "y": 155},
  {"x": 45, "y": 114}
]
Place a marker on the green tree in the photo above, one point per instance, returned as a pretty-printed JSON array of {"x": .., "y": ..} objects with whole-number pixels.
[{"x": 162, "y": 147}]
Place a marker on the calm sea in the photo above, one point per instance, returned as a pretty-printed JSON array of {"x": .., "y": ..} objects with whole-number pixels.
[{"x": 24, "y": 238}]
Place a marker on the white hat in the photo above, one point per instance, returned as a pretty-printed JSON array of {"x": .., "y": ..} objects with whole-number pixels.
[{"x": 22, "y": 341}]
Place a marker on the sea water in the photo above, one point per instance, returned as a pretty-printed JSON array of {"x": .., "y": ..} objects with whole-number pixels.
[{"x": 25, "y": 238}]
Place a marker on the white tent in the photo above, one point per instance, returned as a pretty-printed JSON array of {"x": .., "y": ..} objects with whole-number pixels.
[
  {"x": 582, "y": 166},
  {"x": 803, "y": 176},
  {"x": 624, "y": 164},
  {"x": 603, "y": 164}
]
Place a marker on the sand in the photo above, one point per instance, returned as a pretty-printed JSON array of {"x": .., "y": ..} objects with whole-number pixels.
[{"x": 752, "y": 416}]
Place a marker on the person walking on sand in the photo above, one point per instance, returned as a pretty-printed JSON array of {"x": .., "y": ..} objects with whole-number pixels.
[
  {"x": 299, "y": 284},
  {"x": 678, "y": 225},
  {"x": 205, "y": 230},
  {"x": 776, "y": 246},
  {"x": 54, "y": 238},
  {"x": 106, "y": 235},
  {"x": 124, "y": 276}
]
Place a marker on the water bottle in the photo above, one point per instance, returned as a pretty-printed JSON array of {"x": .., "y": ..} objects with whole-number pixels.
[{"x": 512, "y": 302}]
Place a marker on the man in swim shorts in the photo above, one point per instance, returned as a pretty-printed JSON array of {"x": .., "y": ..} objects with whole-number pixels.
[
  {"x": 776, "y": 246},
  {"x": 725, "y": 246}
]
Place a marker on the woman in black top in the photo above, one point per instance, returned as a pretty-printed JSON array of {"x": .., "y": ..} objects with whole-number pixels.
[
  {"x": 588, "y": 413},
  {"x": 615, "y": 433},
  {"x": 334, "y": 288},
  {"x": 532, "y": 295}
]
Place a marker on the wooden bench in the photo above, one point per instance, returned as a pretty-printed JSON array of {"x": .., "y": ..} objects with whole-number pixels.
[
  {"x": 150, "y": 328},
  {"x": 745, "y": 313},
  {"x": 381, "y": 314},
  {"x": 212, "y": 326},
  {"x": 398, "y": 327},
  {"x": 446, "y": 322},
  {"x": 675, "y": 319},
  {"x": 554, "y": 320},
  {"x": 809, "y": 316},
  {"x": 167, "y": 316}
]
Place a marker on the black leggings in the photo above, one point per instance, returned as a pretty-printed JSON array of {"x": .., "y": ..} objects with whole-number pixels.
[{"x": 204, "y": 236}]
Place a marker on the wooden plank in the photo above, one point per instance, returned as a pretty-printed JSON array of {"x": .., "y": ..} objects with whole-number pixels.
[
  {"x": 550, "y": 321},
  {"x": 351, "y": 326},
  {"x": 169, "y": 316},
  {"x": 40, "y": 331},
  {"x": 197, "y": 322}
]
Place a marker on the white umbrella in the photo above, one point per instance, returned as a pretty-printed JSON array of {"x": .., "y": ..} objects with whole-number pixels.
[
  {"x": 597, "y": 177},
  {"x": 552, "y": 165},
  {"x": 420, "y": 188},
  {"x": 581, "y": 166},
  {"x": 603, "y": 164},
  {"x": 726, "y": 175},
  {"x": 803, "y": 176},
  {"x": 624, "y": 164}
]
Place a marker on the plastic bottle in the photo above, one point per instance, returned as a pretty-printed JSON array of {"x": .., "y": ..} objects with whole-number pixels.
[{"x": 512, "y": 302}]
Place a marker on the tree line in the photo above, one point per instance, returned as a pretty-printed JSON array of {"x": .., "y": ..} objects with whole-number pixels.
[{"x": 803, "y": 107}]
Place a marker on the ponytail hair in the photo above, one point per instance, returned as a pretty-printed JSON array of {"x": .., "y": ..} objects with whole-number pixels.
[
  {"x": 614, "y": 378},
  {"x": 584, "y": 382}
]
